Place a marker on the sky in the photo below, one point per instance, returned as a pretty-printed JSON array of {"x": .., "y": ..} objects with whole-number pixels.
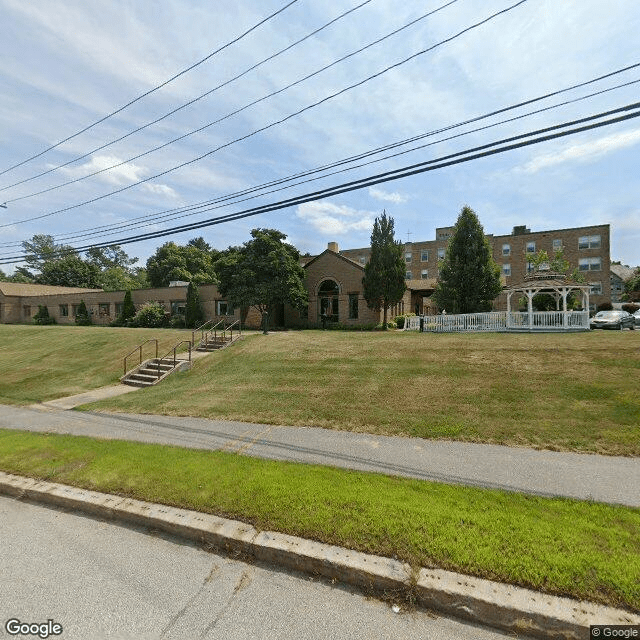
[{"x": 66, "y": 65}]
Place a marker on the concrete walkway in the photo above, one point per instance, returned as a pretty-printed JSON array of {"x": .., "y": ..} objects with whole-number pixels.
[{"x": 546, "y": 473}]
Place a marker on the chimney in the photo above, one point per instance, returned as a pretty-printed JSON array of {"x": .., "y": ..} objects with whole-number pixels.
[{"x": 333, "y": 246}]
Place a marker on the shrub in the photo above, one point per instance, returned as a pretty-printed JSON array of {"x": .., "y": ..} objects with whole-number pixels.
[
  {"x": 604, "y": 306},
  {"x": 630, "y": 307},
  {"x": 177, "y": 322},
  {"x": 43, "y": 317},
  {"x": 151, "y": 315},
  {"x": 400, "y": 322},
  {"x": 82, "y": 315}
]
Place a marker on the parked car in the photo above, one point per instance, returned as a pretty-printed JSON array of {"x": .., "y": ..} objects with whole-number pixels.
[
  {"x": 612, "y": 320},
  {"x": 636, "y": 316}
]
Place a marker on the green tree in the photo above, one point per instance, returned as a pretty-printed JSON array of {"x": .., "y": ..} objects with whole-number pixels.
[
  {"x": 82, "y": 315},
  {"x": 109, "y": 257},
  {"x": 193, "y": 313},
  {"x": 42, "y": 249},
  {"x": 128, "y": 309},
  {"x": 263, "y": 272},
  {"x": 384, "y": 275},
  {"x": 43, "y": 317},
  {"x": 632, "y": 286},
  {"x": 469, "y": 279},
  {"x": 174, "y": 262},
  {"x": 199, "y": 243},
  {"x": 70, "y": 271}
]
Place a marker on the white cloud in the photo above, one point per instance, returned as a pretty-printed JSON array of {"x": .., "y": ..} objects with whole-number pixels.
[
  {"x": 585, "y": 152},
  {"x": 124, "y": 174},
  {"x": 379, "y": 194},
  {"x": 161, "y": 189},
  {"x": 332, "y": 219}
]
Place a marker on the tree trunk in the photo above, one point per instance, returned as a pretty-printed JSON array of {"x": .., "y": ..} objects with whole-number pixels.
[{"x": 384, "y": 322}]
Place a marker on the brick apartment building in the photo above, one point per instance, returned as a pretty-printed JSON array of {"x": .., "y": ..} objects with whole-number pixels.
[{"x": 334, "y": 282}]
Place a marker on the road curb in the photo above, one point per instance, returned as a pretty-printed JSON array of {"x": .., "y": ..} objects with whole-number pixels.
[{"x": 489, "y": 603}]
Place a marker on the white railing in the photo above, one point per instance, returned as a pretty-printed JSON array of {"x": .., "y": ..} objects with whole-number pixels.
[{"x": 501, "y": 321}]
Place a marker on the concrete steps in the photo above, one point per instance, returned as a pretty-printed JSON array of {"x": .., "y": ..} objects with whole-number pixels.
[
  {"x": 146, "y": 374},
  {"x": 213, "y": 344}
]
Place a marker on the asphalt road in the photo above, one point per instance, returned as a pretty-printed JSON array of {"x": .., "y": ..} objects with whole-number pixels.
[
  {"x": 101, "y": 580},
  {"x": 547, "y": 473}
]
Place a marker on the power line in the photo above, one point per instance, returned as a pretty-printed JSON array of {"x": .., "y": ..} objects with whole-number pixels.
[
  {"x": 272, "y": 124},
  {"x": 194, "y": 209},
  {"x": 501, "y": 146},
  {"x": 186, "y": 104},
  {"x": 153, "y": 90},
  {"x": 228, "y": 115}
]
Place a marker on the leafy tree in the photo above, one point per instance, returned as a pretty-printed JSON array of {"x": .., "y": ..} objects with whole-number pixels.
[
  {"x": 193, "y": 313},
  {"x": 384, "y": 274},
  {"x": 632, "y": 286},
  {"x": 469, "y": 279},
  {"x": 557, "y": 264},
  {"x": 70, "y": 271},
  {"x": 21, "y": 275},
  {"x": 174, "y": 262},
  {"x": 263, "y": 272},
  {"x": 42, "y": 249},
  {"x": 199, "y": 243},
  {"x": 109, "y": 257},
  {"x": 121, "y": 279},
  {"x": 82, "y": 315}
]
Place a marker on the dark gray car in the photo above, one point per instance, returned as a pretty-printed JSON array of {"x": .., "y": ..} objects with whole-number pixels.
[{"x": 612, "y": 320}]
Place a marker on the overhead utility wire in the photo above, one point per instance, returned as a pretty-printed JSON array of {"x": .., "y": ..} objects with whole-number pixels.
[
  {"x": 187, "y": 104},
  {"x": 272, "y": 124},
  {"x": 232, "y": 113},
  {"x": 194, "y": 208},
  {"x": 418, "y": 168},
  {"x": 153, "y": 90}
]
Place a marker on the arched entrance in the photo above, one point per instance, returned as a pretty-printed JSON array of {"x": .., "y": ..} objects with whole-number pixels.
[{"x": 328, "y": 293}]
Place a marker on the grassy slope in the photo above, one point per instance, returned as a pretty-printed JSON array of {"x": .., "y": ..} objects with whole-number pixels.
[
  {"x": 567, "y": 547},
  {"x": 566, "y": 392},
  {"x": 43, "y": 363}
]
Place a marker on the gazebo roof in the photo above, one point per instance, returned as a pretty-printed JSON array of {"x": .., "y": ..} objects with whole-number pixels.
[{"x": 547, "y": 281}]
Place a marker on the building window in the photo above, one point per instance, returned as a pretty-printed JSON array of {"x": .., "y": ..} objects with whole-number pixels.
[
  {"x": 424, "y": 256},
  {"x": 407, "y": 257},
  {"x": 26, "y": 311},
  {"x": 119, "y": 308},
  {"x": 362, "y": 259},
  {"x": 506, "y": 269},
  {"x": 328, "y": 309},
  {"x": 64, "y": 310},
  {"x": 531, "y": 247},
  {"x": 353, "y": 306},
  {"x": 178, "y": 307},
  {"x": 596, "y": 288},
  {"x": 589, "y": 242},
  {"x": 424, "y": 274},
  {"x": 530, "y": 266},
  {"x": 557, "y": 244},
  {"x": 590, "y": 264},
  {"x": 506, "y": 249},
  {"x": 441, "y": 252},
  {"x": 224, "y": 308},
  {"x": 407, "y": 275},
  {"x": 104, "y": 308},
  {"x": 74, "y": 310}
]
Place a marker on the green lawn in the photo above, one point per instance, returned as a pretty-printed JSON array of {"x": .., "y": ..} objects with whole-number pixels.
[
  {"x": 576, "y": 392},
  {"x": 560, "y": 546},
  {"x": 41, "y": 363}
]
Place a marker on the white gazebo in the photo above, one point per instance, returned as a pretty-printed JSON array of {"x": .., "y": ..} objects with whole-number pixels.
[{"x": 562, "y": 319}]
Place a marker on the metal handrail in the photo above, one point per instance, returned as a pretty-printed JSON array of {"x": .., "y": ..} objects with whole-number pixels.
[
  {"x": 174, "y": 348},
  {"x": 139, "y": 349},
  {"x": 233, "y": 324},
  {"x": 201, "y": 329}
]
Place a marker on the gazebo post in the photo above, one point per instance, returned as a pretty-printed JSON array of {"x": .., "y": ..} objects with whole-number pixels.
[
  {"x": 509, "y": 309},
  {"x": 565, "y": 316},
  {"x": 530, "y": 307}
]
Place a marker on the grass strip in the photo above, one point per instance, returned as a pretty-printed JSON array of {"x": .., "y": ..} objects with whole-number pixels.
[
  {"x": 565, "y": 547},
  {"x": 573, "y": 392},
  {"x": 44, "y": 363}
]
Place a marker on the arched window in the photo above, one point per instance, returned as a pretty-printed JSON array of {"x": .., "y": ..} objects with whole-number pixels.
[{"x": 328, "y": 301}]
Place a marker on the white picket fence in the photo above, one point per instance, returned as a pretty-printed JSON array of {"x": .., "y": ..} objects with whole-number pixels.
[{"x": 497, "y": 321}]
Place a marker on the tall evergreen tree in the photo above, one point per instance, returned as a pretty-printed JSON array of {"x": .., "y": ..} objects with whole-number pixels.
[
  {"x": 469, "y": 279},
  {"x": 384, "y": 274},
  {"x": 193, "y": 313},
  {"x": 128, "y": 308}
]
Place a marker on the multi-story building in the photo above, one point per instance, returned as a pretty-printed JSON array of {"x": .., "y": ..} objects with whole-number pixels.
[{"x": 334, "y": 282}]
